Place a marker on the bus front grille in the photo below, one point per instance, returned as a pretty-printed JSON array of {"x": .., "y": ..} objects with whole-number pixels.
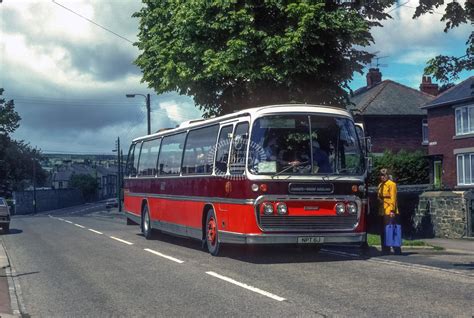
[{"x": 307, "y": 223}]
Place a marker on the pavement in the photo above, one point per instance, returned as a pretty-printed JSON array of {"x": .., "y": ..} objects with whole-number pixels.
[
  {"x": 5, "y": 281},
  {"x": 465, "y": 246}
]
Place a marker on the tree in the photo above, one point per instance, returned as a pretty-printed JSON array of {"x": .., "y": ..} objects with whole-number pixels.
[
  {"x": 9, "y": 118},
  {"x": 442, "y": 67},
  {"x": 17, "y": 159},
  {"x": 86, "y": 183},
  {"x": 231, "y": 55}
]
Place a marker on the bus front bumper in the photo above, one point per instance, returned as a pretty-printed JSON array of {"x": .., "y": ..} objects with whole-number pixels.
[{"x": 294, "y": 238}]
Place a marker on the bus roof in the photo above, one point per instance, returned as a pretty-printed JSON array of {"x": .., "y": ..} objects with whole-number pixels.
[{"x": 252, "y": 112}]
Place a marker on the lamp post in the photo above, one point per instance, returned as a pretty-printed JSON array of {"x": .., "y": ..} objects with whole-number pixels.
[{"x": 147, "y": 98}]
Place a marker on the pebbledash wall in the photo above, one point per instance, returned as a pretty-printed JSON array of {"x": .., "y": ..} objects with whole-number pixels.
[
  {"x": 445, "y": 214},
  {"x": 46, "y": 200}
]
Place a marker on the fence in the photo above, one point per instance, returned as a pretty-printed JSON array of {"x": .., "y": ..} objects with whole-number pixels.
[{"x": 46, "y": 200}]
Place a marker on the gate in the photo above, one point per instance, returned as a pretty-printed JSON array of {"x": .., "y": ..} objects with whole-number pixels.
[{"x": 470, "y": 224}]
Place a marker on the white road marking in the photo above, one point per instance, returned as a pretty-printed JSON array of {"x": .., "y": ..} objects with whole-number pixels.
[
  {"x": 95, "y": 231},
  {"x": 120, "y": 240},
  {"x": 165, "y": 256},
  {"x": 68, "y": 222},
  {"x": 78, "y": 225},
  {"x": 251, "y": 288}
]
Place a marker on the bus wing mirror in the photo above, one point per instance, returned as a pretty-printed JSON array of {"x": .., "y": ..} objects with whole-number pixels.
[
  {"x": 368, "y": 144},
  {"x": 369, "y": 163}
]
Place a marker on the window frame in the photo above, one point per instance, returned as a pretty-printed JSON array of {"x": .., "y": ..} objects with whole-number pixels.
[
  {"x": 424, "y": 132},
  {"x": 459, "y": 125},
  {"x": 460, "y": 168},
  {"x": 222, "y": 127}
]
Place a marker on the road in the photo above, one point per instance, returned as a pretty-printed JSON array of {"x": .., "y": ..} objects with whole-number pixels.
[{"x": 84, "y": 261}]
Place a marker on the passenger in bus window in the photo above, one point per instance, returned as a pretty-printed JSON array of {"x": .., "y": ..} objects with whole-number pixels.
[{"x": 320, "y": 159}]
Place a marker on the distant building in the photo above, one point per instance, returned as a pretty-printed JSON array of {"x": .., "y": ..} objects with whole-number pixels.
[
  {"x": 106, "y": 177},
  {"x": 392, "y": 113},
  {"x": 451, "y": 136}
]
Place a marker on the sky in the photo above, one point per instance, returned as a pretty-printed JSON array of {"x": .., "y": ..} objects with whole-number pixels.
[{"x": 68, "y": 76}]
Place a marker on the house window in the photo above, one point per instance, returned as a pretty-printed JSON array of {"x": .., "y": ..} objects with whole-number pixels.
[
  {"x": 465, "y": 120},
  {"x": 424, "y": 131},
  {"x": 465, "y": 169}
]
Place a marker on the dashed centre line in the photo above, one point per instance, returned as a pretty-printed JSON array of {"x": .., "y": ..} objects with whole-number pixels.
[
  {"x": 78, "y": 225},
  {"x": 95, "y": 231},
  {"x": 120, "y": 240},
  {"x": 251, "y": 288},
  {"x": 68, "y": 222},
  {"x": 165, "y": 256}
]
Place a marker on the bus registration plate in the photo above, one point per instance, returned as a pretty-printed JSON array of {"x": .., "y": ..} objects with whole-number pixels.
[{"x": 310, "y": 239}]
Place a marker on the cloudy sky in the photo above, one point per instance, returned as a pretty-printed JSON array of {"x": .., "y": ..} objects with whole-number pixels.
[{"x": 68, "y": 77}]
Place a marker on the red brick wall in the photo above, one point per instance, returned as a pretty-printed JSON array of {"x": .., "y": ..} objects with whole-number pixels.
[
  {"x": 395, "y": 133},
  {"x": 441, "y": 130}
]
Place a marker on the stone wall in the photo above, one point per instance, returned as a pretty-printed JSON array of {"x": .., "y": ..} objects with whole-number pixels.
[
  {"x": 46, "y": 200},
  {"x": 407, "y": 200},
  {"x": 442, "y": 214}
]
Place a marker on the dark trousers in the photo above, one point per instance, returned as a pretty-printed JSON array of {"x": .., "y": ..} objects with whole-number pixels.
[{"x": 384, "y": 220}]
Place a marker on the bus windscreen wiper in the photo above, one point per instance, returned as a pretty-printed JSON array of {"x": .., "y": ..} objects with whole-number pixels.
[{"x": 291, "y": 165}]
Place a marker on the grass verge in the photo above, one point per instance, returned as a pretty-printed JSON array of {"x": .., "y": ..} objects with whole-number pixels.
[{"x": 374, "y": 240}]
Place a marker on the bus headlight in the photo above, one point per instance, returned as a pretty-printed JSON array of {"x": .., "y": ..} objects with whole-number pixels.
[
  {"x": 340, "y": 208},
  {"x": 282, "y": 209},
  {"x": 351, "y": 207},
  {"x": 267, "y": 208}
]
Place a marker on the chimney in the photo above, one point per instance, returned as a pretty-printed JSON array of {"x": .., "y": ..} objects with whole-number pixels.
[
  {"x": 427, "y": 87},
  {"x": 373, "y": 77}
]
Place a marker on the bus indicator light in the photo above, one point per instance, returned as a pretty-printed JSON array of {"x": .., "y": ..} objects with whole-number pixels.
[
  {"x": 254, "y": 187},
  {"x": 228, "y": 187},
  {"x": 355, "y": 188},
  {"x": 263, "y": 187}
]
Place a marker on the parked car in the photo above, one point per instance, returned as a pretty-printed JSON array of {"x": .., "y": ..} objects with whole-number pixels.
[
  {"x": 111, "y": 203},
  {"x": 4, "y": 215}
]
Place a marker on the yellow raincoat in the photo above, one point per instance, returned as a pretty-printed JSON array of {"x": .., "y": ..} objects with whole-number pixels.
[{"x": 387, "y": 194}]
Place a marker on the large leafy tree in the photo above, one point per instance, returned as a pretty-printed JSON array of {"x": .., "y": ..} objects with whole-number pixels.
[
  {"x": 236, "y": 54},
  {"x": 18, "y": 161},
  {"x": 442, "y": 67}
]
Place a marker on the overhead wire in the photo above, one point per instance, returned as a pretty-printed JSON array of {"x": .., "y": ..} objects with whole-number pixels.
[{"x": 93, "y": 22}]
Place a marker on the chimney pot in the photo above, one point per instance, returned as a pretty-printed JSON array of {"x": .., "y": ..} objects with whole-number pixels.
[
  {"x": 374, "y": 76},
  {"x": 427, "y": 87}
]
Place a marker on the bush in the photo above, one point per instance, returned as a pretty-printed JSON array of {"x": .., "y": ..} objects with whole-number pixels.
[{"x": 405, "y": 167}]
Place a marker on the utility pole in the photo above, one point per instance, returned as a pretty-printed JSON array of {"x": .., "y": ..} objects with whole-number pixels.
[
  {"x": 34, "y": 186},
  {"x": 119, "y": 172}
]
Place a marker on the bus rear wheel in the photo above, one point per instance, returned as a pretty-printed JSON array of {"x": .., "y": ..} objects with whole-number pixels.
[
  {"x": 212, "y": 234},
  {"x": 146, "y": 223}
]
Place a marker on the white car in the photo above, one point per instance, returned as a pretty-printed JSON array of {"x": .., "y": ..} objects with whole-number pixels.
[{"x": 4, "y": 215}]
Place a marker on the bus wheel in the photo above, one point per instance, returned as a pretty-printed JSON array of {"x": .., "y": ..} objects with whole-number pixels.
[
  {"x": 212, "y": 235},
  {"x": 146, "y": 223}
]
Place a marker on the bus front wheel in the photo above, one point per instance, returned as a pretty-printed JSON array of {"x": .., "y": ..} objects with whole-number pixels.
[
  {"x": 146, "y": 223},
  {"x": 212, "y": 234}
]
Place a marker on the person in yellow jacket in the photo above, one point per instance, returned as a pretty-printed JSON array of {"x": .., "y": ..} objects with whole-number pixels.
[{"x": 388, "y": 209}]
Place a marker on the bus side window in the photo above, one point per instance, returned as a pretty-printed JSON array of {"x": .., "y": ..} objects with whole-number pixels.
[
  {"x": 131, "y": 167},
  {"x": 199, "y": 144},
  {"x": 239, "y": 149},
  {"x": 223, "y": 149},
  {"x": 171, "y": 152},
  {"x": 148, "y": 158}
]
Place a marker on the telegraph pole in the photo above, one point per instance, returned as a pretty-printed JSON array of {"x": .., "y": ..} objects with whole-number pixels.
[{"x": 34, "y": 186}]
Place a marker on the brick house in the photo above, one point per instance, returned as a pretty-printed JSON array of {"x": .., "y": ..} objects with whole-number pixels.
[
  {"x": 451, "y": 136},
  {"x": 392, "y": 113}
]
